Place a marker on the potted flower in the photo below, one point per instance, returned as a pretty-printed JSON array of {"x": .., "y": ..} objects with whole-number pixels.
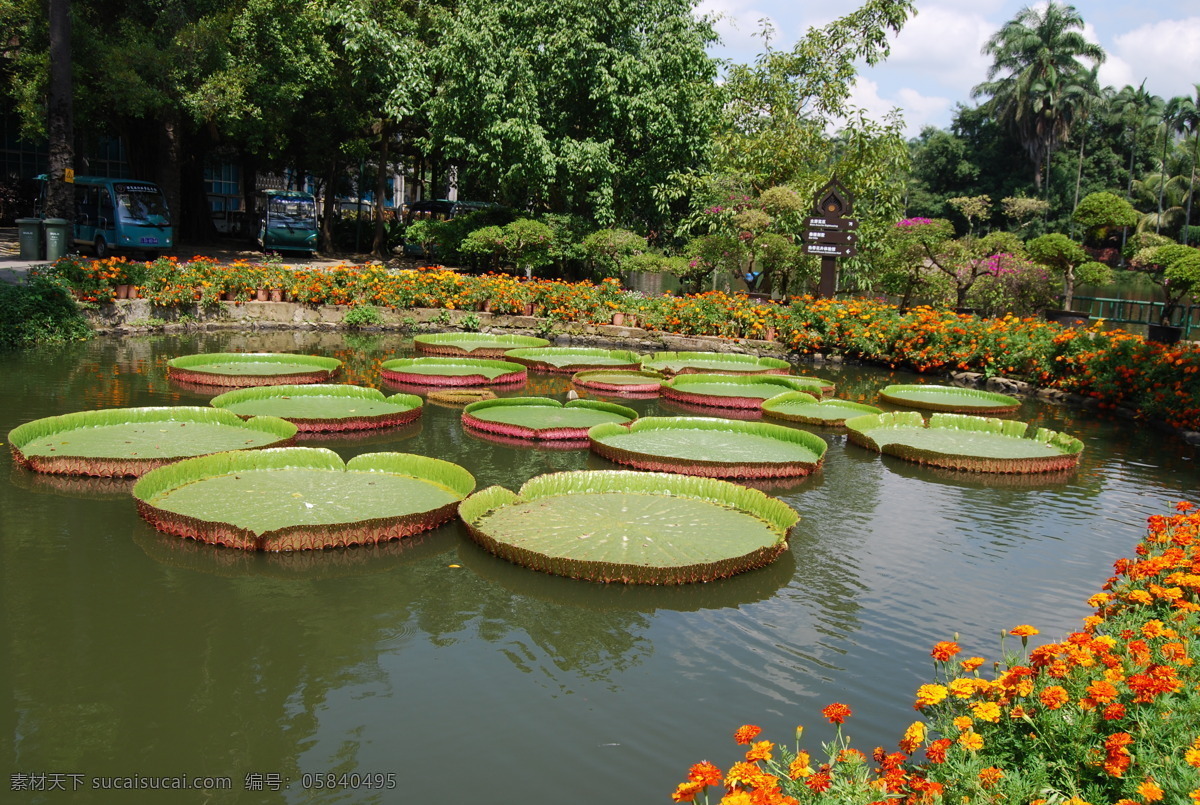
[
  {"x": 1068, "y": 259},
  {"x": 1176, "y": 268}
]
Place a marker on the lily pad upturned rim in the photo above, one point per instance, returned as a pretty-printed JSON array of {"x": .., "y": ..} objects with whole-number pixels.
[
  {"x": 532, "y": 358},
  {"x": 471, "y": 417},
  {"x": 774, "y": 514},
  {"x": 451, "y": 477},
  {"x": 677, "y": 388},
  {"x": 993, "y": 403},
  {"x": 393, "y": 370},
  {"x": 124, "y": 466},
  {"x": 409, "y": 405},
  {"x": 737, "y": 363},
  {"x": 459, "y": 344},
  {"x": 772, "y": 407},
  {"x": 1069, "y": 448},
  {"x": 189, "y": 368},
  {"x": 591, "y": 380},
  {"x": 712, "y": 468}
]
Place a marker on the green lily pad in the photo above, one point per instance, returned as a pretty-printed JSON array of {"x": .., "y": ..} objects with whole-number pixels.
[
  {"x": 301, "y": 498},
  {"x": 957, "y": 441},
  {"x": 798, "y": 406},
  {"x": 475, "y": 345},
  {"x": 640, "y": 528},
  {"x": 251, "y": 368},
  {"x": 714, "y": 363},
  {"x": 730, "y": 391},
  {"x": 719, "y": 448},
  {"x": 323, "y": 407},
  {"x": 542, "y": 417},
  {"x": 124, "y": 442},
  {"x": 613, "y": 381},
  {"x": 950, "y": 399},
  {"x": 453, "y": 372},
  {"x": 573, "y": 359}
]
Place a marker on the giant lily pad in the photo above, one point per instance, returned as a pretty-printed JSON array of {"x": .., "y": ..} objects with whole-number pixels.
[
  {"x": 714, "y": 363},
  {"x": 620, "y": 382},
  {"x": 960, "y": 442},
  {"x": 727, "y": 391},
  {"x": 453, "y": 372},
  {"x": 950, "y": 399},
  {"x": 125, "y": 442},
  {"x": 542, "y": 417},
  {"x": 323, "y": 407},
  {"x": 641, "y": 528},
  {"x": 719, "y": 448},
  {"x": 797, "y": 406},
  {"x": 474, "y": 345},
  {"x": 569, "y": 360},
  {"x": 301, "y": 498},
  {"x": 236, "y": 369}
]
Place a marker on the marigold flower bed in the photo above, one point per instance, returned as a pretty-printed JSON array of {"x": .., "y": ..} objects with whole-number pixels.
[{"x": 1110, "y": 715}]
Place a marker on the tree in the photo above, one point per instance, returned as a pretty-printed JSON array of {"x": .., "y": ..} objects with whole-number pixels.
[
  {"x": 1185, "y": 111},
  {"x": 60, "y": 196},
  {"x": 1068, "y": 259},
  {"x": 1100, "y": 212},
  {"x": 1176, "y": 268},
  {"x": 1033, "y": 81},
  {"x": 608, "y": 250}
]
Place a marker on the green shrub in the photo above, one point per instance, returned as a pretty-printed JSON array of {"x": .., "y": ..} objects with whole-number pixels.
[{"x": 40, "y": 311}]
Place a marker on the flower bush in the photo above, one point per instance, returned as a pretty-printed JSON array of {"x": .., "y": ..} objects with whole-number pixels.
[{"x": 1110, "y": 715}]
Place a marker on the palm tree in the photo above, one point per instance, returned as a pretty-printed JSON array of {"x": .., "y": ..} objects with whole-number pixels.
[
  {"x": 1036, "y": 57},
  {"x": 1090, "y": 98},
  {"x": 1185, "y": 112},
  {"x": 1135, "y": 108}
]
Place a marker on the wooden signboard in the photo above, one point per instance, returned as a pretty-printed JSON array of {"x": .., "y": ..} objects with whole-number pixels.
[{"x": 830, "y": 233}]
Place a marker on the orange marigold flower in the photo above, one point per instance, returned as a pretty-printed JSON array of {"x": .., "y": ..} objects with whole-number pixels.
[
  {"x": 963, "y": 722},
  {"x": 742, "y": 773},
  {"x": 971, "y": 663},
  {"x": 1150, "y": 791},
  {"x": 837, "y": 713},
  {"x": 820, "y": 782},
  {"x": 936, "y": 751},
  {"x": 1054, "y": 697},
  {"x": 1024, "y": 630},
  {"x": 944, "y": 650},
  {"x": 705, "y": 773},
  {"x": 746, "y": 733},
  {"x": 1192, "y": 757},
  {"x": 760, "y": 751},
  {"x": 990, "y": 776},
  {"x": 971, "y": 740},
  {"x": 1102, "y": 691},
  {"x": 686, "y": 792},
  {"x": 738, "y": 797}
]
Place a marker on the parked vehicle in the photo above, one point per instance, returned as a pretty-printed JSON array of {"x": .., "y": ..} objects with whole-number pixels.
[
  {"x": 119, "y": 215},
  {"x": 287, "y": 221}
]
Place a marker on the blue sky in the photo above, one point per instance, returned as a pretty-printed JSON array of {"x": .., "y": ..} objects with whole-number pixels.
[{"x": 936, "y": 58}]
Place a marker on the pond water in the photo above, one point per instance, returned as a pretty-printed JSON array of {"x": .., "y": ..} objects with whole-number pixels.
[{"x": 129, "y": 653}]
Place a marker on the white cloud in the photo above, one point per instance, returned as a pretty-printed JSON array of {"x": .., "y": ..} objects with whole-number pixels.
[
  {"x": 919, "y": 110},
  {"x": 1166, "y": 54},
  {"x": 738, "y": 24},
  {"x": 944, "y": 45}
]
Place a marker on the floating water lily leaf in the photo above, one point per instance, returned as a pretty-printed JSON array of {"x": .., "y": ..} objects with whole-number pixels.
[
  {"x": 730, "y": 391},
  {"x": 573, "y": 359},
  {"x": 612, "y": 381},
  {"x": 719, "y": 448},
  {"x": 238, "y": 369},
  {"x": 475, "y": 345},
  {"x": 126, "y": 442},
  {"x": 714, "y": 363},
  {"x": 643, "y": 528},
  {"x": 542, "y": 417},
  {"x": 950, "y": 399},
  {"x": 957, "y": 441},
  {"x": 797, "y": 406},
  {"x": 301, "y": 498},
  {"x": 453, "y": 372},
  {"x": 323, "y": 407}
]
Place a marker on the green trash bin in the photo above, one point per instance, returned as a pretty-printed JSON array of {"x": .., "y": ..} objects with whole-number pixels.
[
  {"x": 57, "y": 242},
  {"x": 29, "y": 235}
]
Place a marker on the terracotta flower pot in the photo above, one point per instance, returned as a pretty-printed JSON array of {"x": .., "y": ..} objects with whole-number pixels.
[
  {"x": 260, "y": 295},
  {"x": 618, "y": 318},
  {"x": 276, "y": 295},
  {"x": 122, "y": 292}
]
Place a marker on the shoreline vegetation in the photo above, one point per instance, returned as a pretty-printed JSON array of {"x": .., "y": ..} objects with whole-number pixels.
[
  {"x": 1109, "y": 715},
  {"x": 1108, "y": 369}
]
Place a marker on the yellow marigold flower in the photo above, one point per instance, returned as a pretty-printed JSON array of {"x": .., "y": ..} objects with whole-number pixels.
[
  {"x": 962, "y": 687},
  {"x": 742, "y": 773},
  {"x": 1024, "y": 630},
  {"x": 971, "y": 740},
  {"x": 1152, "y": 628},
  {"x": 686, "y": 792},
  {"x": 1092, "y": 621},
  {"x": 928, "y": 695},
  {"x": 800, "y": 767},
  {"x": 963, "y": 722},
  {"x": 986, "y": 711},
  {"x": 1139, "y": 597},
  {"x": 1099, "y": 600},
  {"x": 738, "y": 797},
  {"x": 1077, "y": 801},
  {"x": 1192, "y": 757},
  {"x": 915, "y": 733},
  {"x": 1108, "y": 641}
]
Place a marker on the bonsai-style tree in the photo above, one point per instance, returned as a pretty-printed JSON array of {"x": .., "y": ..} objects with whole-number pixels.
[
  {"x": 608, "y": 250},
  {"x": 1068, "y": 259},
  {"x": 921, "y": 244},
  {"x": 1176, "y": 268},
  {"x": 972, "y": 207},
  {"x": 1100, "y": 212},
  {"x": 754, "y": 228},
  {"x": 524, "y": 243}
]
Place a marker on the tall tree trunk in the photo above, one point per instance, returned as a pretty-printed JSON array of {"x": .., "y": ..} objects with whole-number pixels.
[
  {"x": 170, "y": 152},
  {"x": 60, "y": 195},
  {"x": 1162, "y": 182},
  {"x": 328, "y": 210},
  {"x": 379, "y": 245},
  {"x": 1078, "y": 180},
  {"x": 1187, "y": 221}
]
